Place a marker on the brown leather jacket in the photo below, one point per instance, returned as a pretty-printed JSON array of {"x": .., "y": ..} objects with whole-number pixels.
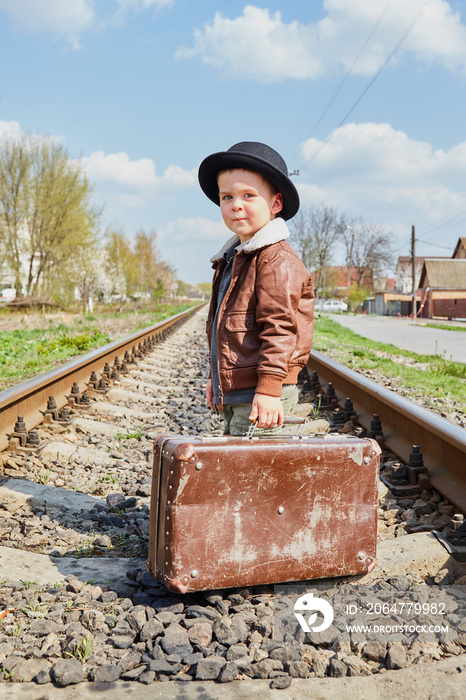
[{"x": 266, "y": 320}]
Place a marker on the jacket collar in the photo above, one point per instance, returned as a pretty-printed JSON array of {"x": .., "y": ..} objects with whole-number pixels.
[{"x": 274, "y": 231}]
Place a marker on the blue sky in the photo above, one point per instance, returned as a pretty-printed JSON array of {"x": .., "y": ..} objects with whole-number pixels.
[{"x": 143, "y": 90}]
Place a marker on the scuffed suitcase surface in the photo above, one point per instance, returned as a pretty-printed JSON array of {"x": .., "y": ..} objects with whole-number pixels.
[{"x": 235, "y": 512}]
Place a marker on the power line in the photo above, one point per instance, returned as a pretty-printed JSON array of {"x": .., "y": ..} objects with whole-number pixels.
[
  {"x": 372, "y": 81},
  {"x": 434, "y": 245},
  {"x": 447, "y": 221},
  {"x": 332, "y": 100}
]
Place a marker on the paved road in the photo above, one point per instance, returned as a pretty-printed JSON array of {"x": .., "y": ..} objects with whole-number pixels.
[{"x": 408, "y": 335}]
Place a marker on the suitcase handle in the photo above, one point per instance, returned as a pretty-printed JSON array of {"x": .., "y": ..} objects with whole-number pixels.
[{"x": 288, "y": 420}]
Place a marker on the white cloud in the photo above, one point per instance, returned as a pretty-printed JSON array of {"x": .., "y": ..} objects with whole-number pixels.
[
  {"x": 56, "y": 17},
  {"x": 126, "y": 6},
  {"x": 144, "y": 4},
  {"x": 119, "y": 169},
  {"x": 190, "y": 242},
  {"x": 14, "y": 131},
  {"x": 375, "y": 167},
  {"x": 383, "y": 154},
  {"x": 194, "y": 229},
  {"x": 134, "y": 183},
  {"x": 310, "y": 195},
  {"x": 70, "y": 18},
  {"x": 258, "y": 45},
  {"x": 10, "y": 130}
]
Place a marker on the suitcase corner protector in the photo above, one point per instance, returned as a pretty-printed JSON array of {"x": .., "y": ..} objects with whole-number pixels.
[
  {"x": 176, "y": 585},
  {"x": 149, "y": 568}
]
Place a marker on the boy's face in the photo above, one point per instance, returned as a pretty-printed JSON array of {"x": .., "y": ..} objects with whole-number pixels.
[{"x": 247, "y": 202}]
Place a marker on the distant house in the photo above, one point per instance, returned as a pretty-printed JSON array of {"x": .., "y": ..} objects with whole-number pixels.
[
  {"x": 397, "y": 297},
  {"x": 460, "y": 250},
  {"x": 336, "y": 280},
  {"x": 430, "y": 273},
  {"x": 7, "y": 275},
  {"x": 443, "y": 286},
  {"x": 404, "y": 274}
]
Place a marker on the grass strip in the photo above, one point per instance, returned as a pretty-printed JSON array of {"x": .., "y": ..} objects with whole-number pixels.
[
  {"x": 445, "y": 327},
  {"x": 25, "y": 353},
  {"x": 429, "y": 375}
]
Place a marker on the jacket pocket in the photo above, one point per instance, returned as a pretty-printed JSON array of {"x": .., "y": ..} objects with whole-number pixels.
[
  {"x": 241, "y": 322},
  {"x": 242, "y": 339}
]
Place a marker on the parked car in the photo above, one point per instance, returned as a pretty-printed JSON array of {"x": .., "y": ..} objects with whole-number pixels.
[
  {"x": 7, "y": 294},
  {"x": 333, "y": 306}
]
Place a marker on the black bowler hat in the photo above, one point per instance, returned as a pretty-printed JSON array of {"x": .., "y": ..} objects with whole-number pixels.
[{"x": 251, "y": 155}]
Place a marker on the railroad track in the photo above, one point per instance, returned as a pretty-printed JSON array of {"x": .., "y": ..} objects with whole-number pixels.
[
  {"x": 403, "y": 425},
  {"x": 76, "y": 504},
  {"x": 67, "y": 384}
]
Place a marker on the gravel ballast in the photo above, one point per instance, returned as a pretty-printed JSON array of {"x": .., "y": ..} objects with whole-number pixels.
[{"x": 67, "y": 632}]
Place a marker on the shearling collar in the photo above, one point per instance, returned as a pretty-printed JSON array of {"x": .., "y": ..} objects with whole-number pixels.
[{"x": 274, "y": 231}]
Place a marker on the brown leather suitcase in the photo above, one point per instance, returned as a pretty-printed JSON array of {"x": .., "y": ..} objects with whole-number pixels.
[{"x": 237, "y": 511}]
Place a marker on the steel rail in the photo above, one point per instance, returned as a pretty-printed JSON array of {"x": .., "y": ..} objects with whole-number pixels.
[
  {"x": 404, "y": 424},
  {"x": 29, "y": 399}
]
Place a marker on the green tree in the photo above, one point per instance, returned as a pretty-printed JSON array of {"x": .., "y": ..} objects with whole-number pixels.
[
  {"x": 121, "y": 264},
  {"x": 159, "y": 291},
  {"x": 60, "y": 218},
  {"x": 357, "y": 294},
  {"x": 45, "y": 209},
  {"x": 14, "y": 171},
  {"x": 181, "y": 288},
  {"x": 147, "y": 261},
  {"x": 204, "y": 289},
  {"x": 136, "y": 267}
]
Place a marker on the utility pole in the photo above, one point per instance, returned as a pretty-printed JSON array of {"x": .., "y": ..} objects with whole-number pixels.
[{"x": 413, "y": 269}]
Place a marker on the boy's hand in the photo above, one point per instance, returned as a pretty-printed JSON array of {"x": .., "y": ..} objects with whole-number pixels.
[
  {"x": 268, "y": 410},
  {"x": 210, "y": 394}
]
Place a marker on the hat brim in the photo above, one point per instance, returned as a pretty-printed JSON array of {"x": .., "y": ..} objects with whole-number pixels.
[{"x": 211, "y": 165}]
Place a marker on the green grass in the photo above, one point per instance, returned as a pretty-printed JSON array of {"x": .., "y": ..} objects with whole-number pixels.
[
  {"x": 82, "y": 650},
  {"x": 26, "y": 352},
  {"x": 131, "y": 434},
  {"x": 431, "y": 375},
  {"x": 446, "y": 327}
]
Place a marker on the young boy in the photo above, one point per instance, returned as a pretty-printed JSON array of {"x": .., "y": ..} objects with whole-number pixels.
[{"x": 260, "y": 320}]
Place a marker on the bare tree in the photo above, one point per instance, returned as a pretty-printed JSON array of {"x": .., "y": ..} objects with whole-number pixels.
[
  {"x": 368, "y": 249},
  {"x": 315, "y": 233},
  {"x": 301, "y": 237}
]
